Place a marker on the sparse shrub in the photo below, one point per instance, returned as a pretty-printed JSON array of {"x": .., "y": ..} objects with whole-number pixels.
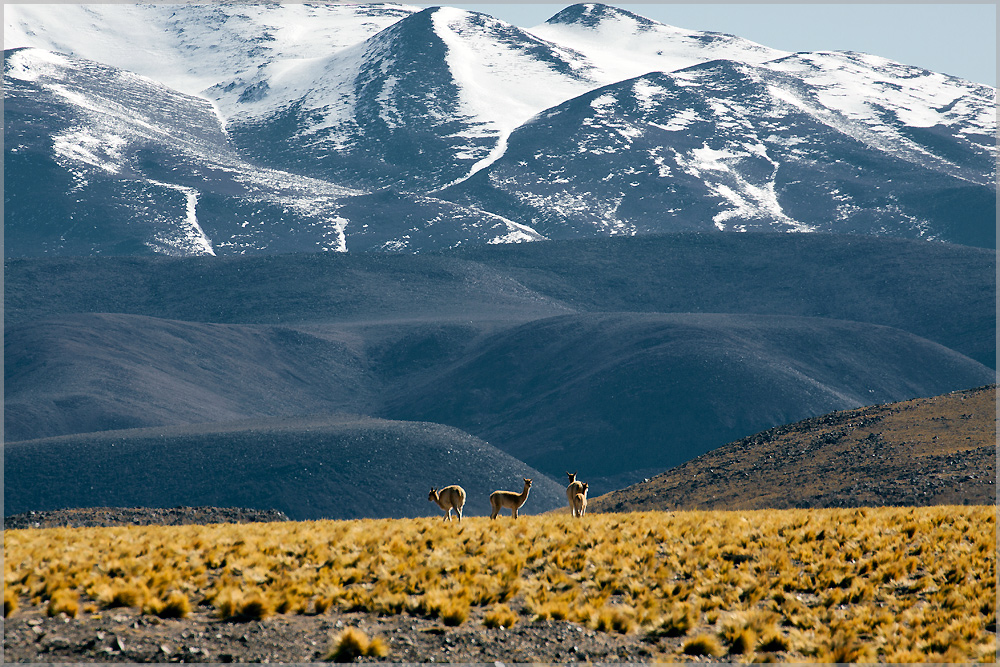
[
  {"x": 233, "y": 605},
  {"x": 321, "y": 604},
  {"x": 287, "y": 603},
  {"x": 742, "y": 642},
  {"x": 833, "y": 597},
  {"x": 429, "y": 604},
  {"x": 906, "y": 655},
  {"x": 455, "y": 612},
  {"x": 124, "y": 595},
  {"x": 501, "y": 616},
  {"x": 557, "y": 610},
  {"x": 64, "y": 601},
  {"x": 544, "y": 606},
  {"x": 227, "y": 602},
  {"x": 9, "y": 602},
  {"x": 614, "y": 619},
  {"x": 773, "y": 642},
  {"x": 389, "y": 604},
  {"x": 176, "y": 605},
  {"x": 846, "y": 646},
  {"x": 677, "y": 622},
  {"x": 702, "y": 645},
  {"x": 352, "y": 644},
  {"x": 256, "y": 608},
  {"x": 355, "y": 600}
]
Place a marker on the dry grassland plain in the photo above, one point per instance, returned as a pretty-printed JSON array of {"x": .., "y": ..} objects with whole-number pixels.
[{"x": 828, "y": 585}]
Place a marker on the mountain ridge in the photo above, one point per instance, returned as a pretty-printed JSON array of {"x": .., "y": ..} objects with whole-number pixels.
[
  {"x": 342, "y": 144},
  {"x": 945, "y": 293},
  {"x": 512, "y": 343}
]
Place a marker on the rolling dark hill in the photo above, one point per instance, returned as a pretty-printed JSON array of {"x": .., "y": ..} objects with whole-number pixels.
[
  {"x": 331, "y": 467},
  {"x": 939, "y": 291},
  {"x": 101, "y": 372},
  {"x": 282, "y": 289},
  {"x": 942, "y": 292},
  {"x": 616, "y": 394},
  {"x": 620, "y": 357},
  {"x": 619, "y": 393},
  {"x": 939, "y": 450}
]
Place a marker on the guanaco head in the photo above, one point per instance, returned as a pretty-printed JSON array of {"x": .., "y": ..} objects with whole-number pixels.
[
  {"x": 527, "y": 482},
  {"x": 585, "y": 487},
  {"x": 433, "y": 495},
  {"x": 572, "y": 477}
]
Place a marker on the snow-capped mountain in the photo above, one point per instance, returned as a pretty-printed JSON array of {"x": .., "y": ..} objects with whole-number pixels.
[
  {"x": 742, "y": 147},
  {"x": 193, "y": 47},
  {"x": 270, "y": 128},
  {"x": 100, "y": 159},
  {"x": 416, "y": 106}
]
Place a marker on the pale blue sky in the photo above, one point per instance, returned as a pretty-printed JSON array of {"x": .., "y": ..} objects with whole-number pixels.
[{"x": 957, "y": 39}]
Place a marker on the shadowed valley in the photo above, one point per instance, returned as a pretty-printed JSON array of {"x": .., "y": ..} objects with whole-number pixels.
[{"x": 617, "y": 357}]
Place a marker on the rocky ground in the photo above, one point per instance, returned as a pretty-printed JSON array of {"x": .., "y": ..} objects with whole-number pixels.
[{"x": 124, "y": 635}]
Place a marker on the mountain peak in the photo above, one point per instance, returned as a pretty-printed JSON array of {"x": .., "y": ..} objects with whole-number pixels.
[{"x": 593, "y": 14}]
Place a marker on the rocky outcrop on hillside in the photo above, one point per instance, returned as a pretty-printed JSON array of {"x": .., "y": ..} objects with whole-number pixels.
[{"x": 926, "y": 451}]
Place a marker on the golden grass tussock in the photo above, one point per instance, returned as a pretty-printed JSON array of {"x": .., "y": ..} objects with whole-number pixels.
[
  {"x": 352, "y": 644},
  {"x": 117, "y": 594},
  {"x": 64, "y": 601},
  {"x": 9, "y": 602},
  {"x": 500, "y": 616},
  {"x": 176, "y": 605},
  {"x": 703, "y": 644},
  {"x": 237, "y": 605},
  {"x": 878, "y": 584}
]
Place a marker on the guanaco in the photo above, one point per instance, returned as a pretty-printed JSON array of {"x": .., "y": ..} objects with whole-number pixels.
[
  {"x": 574, "y": 488},
  {"x": 580, "y": 501},
  {"x": 509, "y": 499},
  {"x": 448, "y": 498}
]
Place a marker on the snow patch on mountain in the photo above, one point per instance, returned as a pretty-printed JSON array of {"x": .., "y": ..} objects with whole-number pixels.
[
  {"x": 209, "y": 50},
  {"x": 504, "y": 77},
  {"x": 189, "y": 239},
  {"x": 874, "y": 99},
  {"x": 80, "y": 144},
  {"x": 621, "y": 45},
  {"x": 34, "y": 64}
]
